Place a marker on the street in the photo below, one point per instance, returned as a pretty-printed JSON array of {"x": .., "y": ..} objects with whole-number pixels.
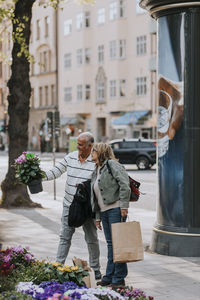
[
  {"x": 147, "y": 199},
  {"x": 164, "y": 277},
  {"x": 137, "y": 211}
]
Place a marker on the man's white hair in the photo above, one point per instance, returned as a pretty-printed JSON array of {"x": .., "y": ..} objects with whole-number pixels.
[{"x": 88, "y": 136}]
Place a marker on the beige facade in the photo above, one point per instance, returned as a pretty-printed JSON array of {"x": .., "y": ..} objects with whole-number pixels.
[
  {"x": 43, "y": 74},
  {"x": 96, "y": 64},
  {"x": 110, "y": 49},
  {"x": 5, "y": 72}
]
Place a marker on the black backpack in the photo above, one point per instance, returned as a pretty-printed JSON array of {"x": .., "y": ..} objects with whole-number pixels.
[{"x": 80, "y": 209}]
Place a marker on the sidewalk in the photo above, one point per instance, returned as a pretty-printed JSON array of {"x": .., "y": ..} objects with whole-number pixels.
[{"x": 160, "y": 276}]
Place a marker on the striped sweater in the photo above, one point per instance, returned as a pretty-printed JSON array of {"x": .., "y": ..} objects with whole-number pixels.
[{"x": 77, "y": 172}]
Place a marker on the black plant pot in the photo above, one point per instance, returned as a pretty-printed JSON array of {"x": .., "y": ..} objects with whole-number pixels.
[{"x": 35, "y": 186}]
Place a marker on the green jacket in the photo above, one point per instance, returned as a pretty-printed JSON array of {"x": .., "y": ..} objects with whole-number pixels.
[{"x": 112, "y": 188}]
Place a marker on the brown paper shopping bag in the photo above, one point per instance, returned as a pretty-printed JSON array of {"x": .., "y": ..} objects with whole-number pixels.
[
  {"x": 127, "y": 242},
  {"x": 90, "y": 279}
]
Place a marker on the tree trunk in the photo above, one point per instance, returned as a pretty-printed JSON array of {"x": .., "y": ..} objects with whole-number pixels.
[{"x": 14, "y": 194}]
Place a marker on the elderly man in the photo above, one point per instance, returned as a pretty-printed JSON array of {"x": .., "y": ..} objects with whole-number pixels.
[{"x": 79, "y": 167}]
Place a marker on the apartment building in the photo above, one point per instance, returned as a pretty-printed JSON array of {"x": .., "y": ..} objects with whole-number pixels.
[
  {"x": 107, "y": 69},
  {"x": 5, "y": 72},
  {"x": 43, "y": 75},
  {"x": 96, "y": 64}
]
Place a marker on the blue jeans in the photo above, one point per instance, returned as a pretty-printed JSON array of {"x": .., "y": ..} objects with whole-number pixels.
[{"x": 115, "y": 272}]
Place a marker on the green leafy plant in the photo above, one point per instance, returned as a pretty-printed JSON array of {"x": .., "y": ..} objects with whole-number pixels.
[
  {"x": 27, "y": 168},
  {"x": 14, "y": 296}
]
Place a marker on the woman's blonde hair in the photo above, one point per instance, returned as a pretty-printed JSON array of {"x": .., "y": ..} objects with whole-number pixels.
[{"x": 104, "y": 151}]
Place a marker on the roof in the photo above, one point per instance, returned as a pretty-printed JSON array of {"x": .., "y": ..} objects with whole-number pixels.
[{"x": 129, "y": 117}]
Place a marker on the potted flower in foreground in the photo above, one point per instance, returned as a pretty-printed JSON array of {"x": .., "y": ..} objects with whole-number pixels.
[{"x": 28, "y": 171}]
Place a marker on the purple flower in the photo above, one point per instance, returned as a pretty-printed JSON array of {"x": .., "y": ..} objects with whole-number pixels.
[
  {"x": 18, "y": 249},
  {"x": 28, "y": 256},
  {"x": 7, "y": 258},
  {"x": 21, "y": 159}
]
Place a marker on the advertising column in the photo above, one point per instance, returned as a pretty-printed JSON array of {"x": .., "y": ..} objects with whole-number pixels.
[{"x": 177, "y": 229}]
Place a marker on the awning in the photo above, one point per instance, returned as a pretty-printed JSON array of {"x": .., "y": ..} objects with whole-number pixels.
[
  {"x": 70, "y": 120},
  {"x": 130, "y": 117}
]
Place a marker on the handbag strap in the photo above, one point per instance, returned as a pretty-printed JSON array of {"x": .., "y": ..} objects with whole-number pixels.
[{"x": 109, "y": 169}]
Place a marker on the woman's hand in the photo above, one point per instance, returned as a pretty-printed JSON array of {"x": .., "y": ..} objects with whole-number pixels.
[
  {"x": 98, "y": 224},
  {"x": 124, "y": 212}
]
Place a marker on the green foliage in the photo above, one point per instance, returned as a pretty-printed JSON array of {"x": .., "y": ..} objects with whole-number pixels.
[
  {"x": 14, "y": 296},
  {"x": 40, "y": 271},
  {"x": 27, "y": 167}
]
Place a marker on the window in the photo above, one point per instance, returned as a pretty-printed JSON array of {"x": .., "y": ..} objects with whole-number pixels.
[
  {"x": 44, "y": 61},
  {"x": 101, "y": 16},
  {"x": 1, "y": 44},
  {"x": 87, "y": 92},
  {"x": 67, "y": 61},
  {"x": 100, "y": 91},
  {"x": 68, "y": 94},
  {"x": 113, "y": 88},
  {"x": 141, "y": 83},
  {"x": 139, "y": 10},
  {"x": 118, "y": 49},
  {"x": 9, "y": 40},
  {"x": 113, "y": 49},
  {"x": 53, "y": 92},
  {"x": 79, "y": 57},
  {"x": 122, "y": 8},
  {"x": 122, "y": 49},
  {"x": 153, "y": 43},
  {"x": 67, "y": 27},
  {"x": 128, "y": 145},
  {"x": 87, "y": 19},
  {"x": 79, "y": 21},
  {"x": 46, "y": 95},
  {"x": 113, "y": 10},
  {"x": 31, "y": 35},
  {"x": 40, "y": 96},
  {"x": 32, "y": 98},
  {"x": 100, "y": 53},
  {"x": 115, "y": 146},
  {"x": 122, "y": 88},
  {"x": 32, "y": 68},
  {"x": 1, "y": 69},
  {"x": 141, "y": 45},
  {"x": 38, "y": 29},
  {"x": 79, "y": 92},
  {"x": 46, "y": 24},
  {"x": 45, "y": 57},
  {"x": 87, "y": 55}
]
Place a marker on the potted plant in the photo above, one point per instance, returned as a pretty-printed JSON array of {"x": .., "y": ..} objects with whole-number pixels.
[{"x": 28, "y": 171}]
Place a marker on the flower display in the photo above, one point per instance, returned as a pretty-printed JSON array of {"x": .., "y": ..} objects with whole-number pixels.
[
  {"x": 27, "y": 168},
  {"x": 23, "y": 277},
  {"x": 131, "y": 293},
  {"x": 94, "y": 294},
  {"x": 46, "y": 289},
  {"x": 12, "y": 257}
]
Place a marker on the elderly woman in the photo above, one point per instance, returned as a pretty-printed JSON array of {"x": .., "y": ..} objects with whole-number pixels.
[{"x": 110, "y": 201}]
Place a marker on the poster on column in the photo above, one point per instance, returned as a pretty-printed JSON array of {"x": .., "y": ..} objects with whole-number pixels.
[{"x": 171, "y": 48}]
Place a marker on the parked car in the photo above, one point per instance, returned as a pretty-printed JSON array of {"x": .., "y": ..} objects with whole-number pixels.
[{"x": 141, "y": 152}]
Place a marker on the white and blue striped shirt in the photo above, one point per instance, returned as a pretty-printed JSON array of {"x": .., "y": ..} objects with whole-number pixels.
[{"x": 77, "y": 172}]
